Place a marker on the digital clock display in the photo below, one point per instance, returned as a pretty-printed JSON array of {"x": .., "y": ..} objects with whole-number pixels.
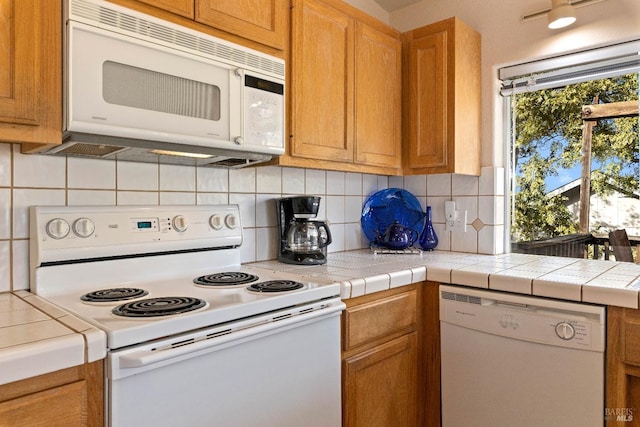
[{"x": 144, "y": 225}]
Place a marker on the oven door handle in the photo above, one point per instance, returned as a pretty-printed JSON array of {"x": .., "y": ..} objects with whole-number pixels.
[{"x": 185, "y": 349}]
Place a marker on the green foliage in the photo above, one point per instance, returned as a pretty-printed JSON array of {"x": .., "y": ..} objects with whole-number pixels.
[{"x": 549, "y": 139}]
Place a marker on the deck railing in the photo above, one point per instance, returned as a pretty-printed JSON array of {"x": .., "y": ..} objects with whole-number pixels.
[{"x": 580, "y": 245}]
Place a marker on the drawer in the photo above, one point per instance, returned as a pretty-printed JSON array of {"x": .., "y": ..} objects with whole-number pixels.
[{"x": 374, "y": 320}]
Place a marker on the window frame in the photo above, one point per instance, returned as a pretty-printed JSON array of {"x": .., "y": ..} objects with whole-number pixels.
[{"x": 554, "y": 72}]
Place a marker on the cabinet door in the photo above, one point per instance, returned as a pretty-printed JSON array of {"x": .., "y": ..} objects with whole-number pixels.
[
  {"x": 443, "y": 99},
  {"x": 380, "y": 385},
  {"x": 428, "y": 114},
  {"x": 58, "y": 406},
  {"x": 321, "y": 82},
  {"x": 31, "y": 71},
  {"x": 378, "y": 90},
  {"x": 179, "y": 7},
  {"x": 263, "y": 21}
]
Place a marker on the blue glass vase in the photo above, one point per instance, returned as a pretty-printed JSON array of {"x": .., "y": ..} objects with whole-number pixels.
[{"x": 428, "y": 239}]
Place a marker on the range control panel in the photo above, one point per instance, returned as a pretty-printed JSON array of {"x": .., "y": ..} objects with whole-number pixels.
[{"x": 73, "y": 232}]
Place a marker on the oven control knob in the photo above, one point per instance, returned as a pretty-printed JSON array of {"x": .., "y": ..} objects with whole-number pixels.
[
  {"x": 231, "y": 221},
  {"x": 216, "y": 222},
  {"x": 180, "y": 223},
  {"x": 565, "y": 330},
  {"x": 83, "y": 227},
  {"x": 58, "y": 228}
]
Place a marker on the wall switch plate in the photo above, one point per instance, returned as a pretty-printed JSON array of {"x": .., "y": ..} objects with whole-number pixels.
[{"x": 454, "y": 220}]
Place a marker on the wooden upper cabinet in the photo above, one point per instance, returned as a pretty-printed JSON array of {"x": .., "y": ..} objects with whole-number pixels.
[
  {"x": 184, "y": 8},
  {"x": 378, "y": 108},
  {"x": 263, "y": 21},
  {"x": 321, "y": 82},
  {"x": 345, "y": 93},
  {"x": 442, "y": 99},
  {"x": 31, "y": 72}
]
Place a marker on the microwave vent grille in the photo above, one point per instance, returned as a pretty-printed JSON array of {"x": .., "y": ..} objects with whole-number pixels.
[
  {"x": 174, "y": 36},
  {"x": 89, "y": 150},
  {"x": 232, "y": 163}
]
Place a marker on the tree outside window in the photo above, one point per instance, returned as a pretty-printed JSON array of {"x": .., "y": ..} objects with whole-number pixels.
[{"x": 547, "y": 157}]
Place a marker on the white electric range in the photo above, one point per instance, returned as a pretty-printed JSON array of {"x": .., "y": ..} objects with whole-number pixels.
[{"x": 166, "y": 285}]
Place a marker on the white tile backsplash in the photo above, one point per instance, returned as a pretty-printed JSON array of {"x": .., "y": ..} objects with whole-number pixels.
[
  {"x": 439, "y": 184},
  {"x": 269, "y": 180},
  {"x": 336, "y": 183},
  {"x": 212, "y": 180},
  {"x": 353, "y": 184},
  {"x": 293, "y": 181},
  {"x": 315, "y": 182},
  {"x": 90, "y": 173},
  {"x": 242, "y": 180},
  {"x": 177, "y": 198},
  {"x": 5, "y": 213},
  {"x": 25, "y": 197},
  {"x": 91, "y": 197},
  {"x": 266, "y": 211},
  {"x": 335, "y": 208},
  {"x": 38, "y": 171},
  {"x": 212, "y": 198},
  {"x": 5, "y": 267},
  {"x": 137, "y": 176},
  {"x": 416, "y": 184},
  {"x": 20, "y": 267},
  {"x": 138, "y": 198},
  {"x": 27, "y": 180},
  {"x": 177, "y": 178},
  {"x": 5, "y": 165},
  {"x": 464, "y": 185}
]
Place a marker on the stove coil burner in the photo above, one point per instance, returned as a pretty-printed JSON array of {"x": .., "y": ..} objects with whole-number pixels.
[
  {"x": 114, "y": 294},
  {"x": 273, "y": 286},
  {"x": 225, "y": 279},
  {"x": 161, "y": 306}
]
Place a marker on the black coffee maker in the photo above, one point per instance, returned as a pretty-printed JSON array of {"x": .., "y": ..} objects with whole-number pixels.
[{"x": 302, "y": 239}]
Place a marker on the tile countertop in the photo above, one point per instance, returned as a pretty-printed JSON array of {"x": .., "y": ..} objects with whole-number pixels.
[
  {"x": 362, "y": 272},
  {"x": 37, "y": 338}
]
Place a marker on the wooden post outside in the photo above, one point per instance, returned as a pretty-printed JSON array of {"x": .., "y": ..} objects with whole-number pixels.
[
  {"x": 590, "y": 116},
  {"x": 585, "y": 178}
]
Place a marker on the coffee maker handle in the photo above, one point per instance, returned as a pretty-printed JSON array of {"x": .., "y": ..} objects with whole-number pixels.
[{"x": 326, "y": 229}]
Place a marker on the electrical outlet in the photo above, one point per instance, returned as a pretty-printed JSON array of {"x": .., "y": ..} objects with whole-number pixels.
[{"x": 454, "y": 220}]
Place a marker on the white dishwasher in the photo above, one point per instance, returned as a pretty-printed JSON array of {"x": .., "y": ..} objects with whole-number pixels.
[{"x": 519, "y": 361}]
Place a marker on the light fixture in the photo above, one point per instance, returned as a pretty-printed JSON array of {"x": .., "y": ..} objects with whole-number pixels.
[
  {"x": 181, "y": 154},
  {"x": 562, "y": 14},
  {"x": 563, "y": 4}
]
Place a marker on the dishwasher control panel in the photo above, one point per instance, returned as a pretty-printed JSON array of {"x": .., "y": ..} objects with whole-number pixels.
[{"x": 544, "y": 321}]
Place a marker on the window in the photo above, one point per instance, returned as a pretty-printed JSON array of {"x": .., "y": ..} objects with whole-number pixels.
[{"x": 574, "y": 151}]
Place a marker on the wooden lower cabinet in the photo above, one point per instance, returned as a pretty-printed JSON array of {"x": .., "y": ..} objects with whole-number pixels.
[
  {"x": 391, "y": 358},
  {"x": 622, "y": 406},
  {"x": 69, "y": 397},
  {"x": 380, "y": 384}
]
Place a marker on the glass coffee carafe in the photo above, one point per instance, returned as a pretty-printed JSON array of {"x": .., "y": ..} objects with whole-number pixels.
[{"x": 307, "y": 236}]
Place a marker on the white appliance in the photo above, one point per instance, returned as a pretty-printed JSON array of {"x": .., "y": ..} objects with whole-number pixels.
[
  {"x": 511, "y": 360},
  {"x": 143, "y": 89},
  {"x": 246, "y": 346}
]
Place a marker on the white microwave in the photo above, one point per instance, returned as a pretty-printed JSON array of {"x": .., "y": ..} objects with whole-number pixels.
[{"x": 140, "y": 88}]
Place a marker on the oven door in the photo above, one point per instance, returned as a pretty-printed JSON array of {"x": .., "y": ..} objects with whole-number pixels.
[{"x": 281, "y": 370}]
